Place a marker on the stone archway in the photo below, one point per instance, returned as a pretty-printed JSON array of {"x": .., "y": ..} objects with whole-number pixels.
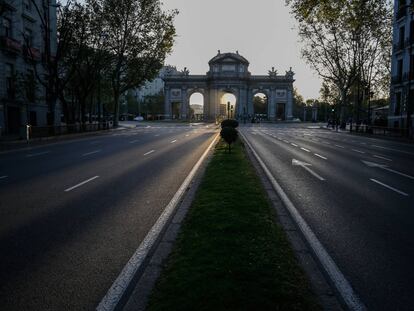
[
  {"x": 229, "y": 72},
  {"x": 261, "y": 106},
  {"x": 197, "y": 103}
]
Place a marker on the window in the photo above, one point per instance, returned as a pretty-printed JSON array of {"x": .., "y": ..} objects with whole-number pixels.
[
  {"x": 400, "y": 70},
  {"x": 401, "y": 37},
  {"x": 397, "y": 109},
  {"x": 9, "y": 80},
  {"x": 7, "y": 26},
  {"x": 30, "y": 85},
  {"x": 27, "y": 5},
  {"x": 28, "y": 37}
]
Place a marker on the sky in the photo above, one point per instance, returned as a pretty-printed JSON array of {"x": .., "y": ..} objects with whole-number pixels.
[{"x": 263, "y": 31}]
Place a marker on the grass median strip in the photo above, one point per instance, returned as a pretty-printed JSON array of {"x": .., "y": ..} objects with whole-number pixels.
[{"x": 230, "y": 253}]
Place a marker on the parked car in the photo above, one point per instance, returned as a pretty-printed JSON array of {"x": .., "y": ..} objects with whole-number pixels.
[{"x": 139, "y": 118}]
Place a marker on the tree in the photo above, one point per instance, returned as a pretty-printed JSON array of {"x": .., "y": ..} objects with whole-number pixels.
[
  {"x": 298, "y": 103},
  {"x": 229, "y": 134},
  {"x": 139, "y": 36},
  {"x": 345, "y": 40}
]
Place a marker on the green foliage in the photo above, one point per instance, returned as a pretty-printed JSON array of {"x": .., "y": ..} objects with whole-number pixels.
[
  {"x": 229, "y": 134},
  {"x": 230, "y": 253},
  {"x": 346, "y": 40},
  {"x": 229, "y": 123},
  {"x": 260, "y": 104}
]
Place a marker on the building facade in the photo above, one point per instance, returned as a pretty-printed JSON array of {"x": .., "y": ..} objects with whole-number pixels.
[
  {"x": 229, "y": 73},
  {"x": 402, "y": 67},
  {"x": 22, "y": 49},
  {"x": 154, "y": 87}
]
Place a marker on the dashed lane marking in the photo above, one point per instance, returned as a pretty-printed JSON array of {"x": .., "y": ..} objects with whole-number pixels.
[
  {"x": 322, "y": 157},
  {"x": 32, "y": 155},
  {"x": 389, "y": 187},
  {"x": 358, "y": 151},
  {"x": 294, "y": 145},
  {"x": 174, "y": 141},
  {"x": 339, "y": 146},
  {"x": 304, "y": 149},
  {"x": 133, "y": 141},
  {"x": 149, "y": 152},
  {"x": 81, "y": 184},
  {"x": 90, "y": 153},
  {"x": 383, "y": 158}
]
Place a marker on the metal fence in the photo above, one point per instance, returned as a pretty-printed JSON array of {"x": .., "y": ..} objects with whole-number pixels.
[
  {"x": 47, "y": 131},
  {"x": 379, "y": 130}
]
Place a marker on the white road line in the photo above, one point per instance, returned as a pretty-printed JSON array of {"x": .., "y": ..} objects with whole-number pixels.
[
  {"x": 386, "y": 148},
  {"x": 90, "y": 153},
  {"x": 174, "y": 141},
  {"x": 383, "y": 158},
  {"x": 187, "y": 135},
  {"x": 149, "y": 152},
  {"x": 304, "y": 149},
  {"x": 286, "y": 141},
  {"x": 31, "y": 155},
  {"x": 120, "y": 287},
  {"x": 3, "y": 177},
  {"x": 328, "y": 264},
  {"x": 294, "y": 145},
  {"x": 389, "y": 187},
  {"x": 156, "y": 135},
  {"x": 322, "y": 157},
  {"x": 81, "y": 184},
  {"x": 359, "y": 151},
  {"x": 340, "y": 146},
  {"x": 134, "y": 141}
]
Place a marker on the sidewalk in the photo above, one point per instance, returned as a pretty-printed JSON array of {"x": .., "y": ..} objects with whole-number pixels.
[{"x": 17, "y": 144}]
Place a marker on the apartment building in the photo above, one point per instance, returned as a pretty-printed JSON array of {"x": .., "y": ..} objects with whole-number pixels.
[
  {"x": 23, "y": 47},
  {"x": 402, "y": 67}
]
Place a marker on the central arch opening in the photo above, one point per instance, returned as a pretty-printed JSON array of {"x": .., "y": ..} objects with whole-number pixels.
[
  {"x": 197, "y": 106},
  {"x": 261, "y": 106},
  {"x": 228, "y": 106}
]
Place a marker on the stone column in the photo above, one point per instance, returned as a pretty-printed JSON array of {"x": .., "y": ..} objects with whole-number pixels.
[
  {"x": 289, "y": 104},
  {"x": 184, "y": 104},
  {"x": 250, "y": 108},
  {"x": 167, "y": 104},
  {"x": 272, "y": 105},
  {"x": 206, "y": 108}
]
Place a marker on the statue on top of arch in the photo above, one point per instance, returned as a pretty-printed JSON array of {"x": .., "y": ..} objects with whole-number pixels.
[
  {"x": 185, "y": 72},
  {"x": 272, "y": 73},
  {"x": 289, "y": 74}
]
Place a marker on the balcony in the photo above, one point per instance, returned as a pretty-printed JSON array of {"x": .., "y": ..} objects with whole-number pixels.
[
  {"x": 10, "y": 45},
  {"x": 31, "y": 53}
]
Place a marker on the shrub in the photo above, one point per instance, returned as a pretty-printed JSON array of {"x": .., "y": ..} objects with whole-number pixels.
[
  {"x": 229, "y": 123},
  {"x": 229, "y": 134}
]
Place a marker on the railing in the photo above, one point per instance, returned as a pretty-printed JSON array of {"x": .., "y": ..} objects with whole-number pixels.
[
  {"x": 48, "y": 131},
  {"x": 32, "y": 53},
  {"x": 380, "y": 130},
  {"x": 10, "y": 44}
]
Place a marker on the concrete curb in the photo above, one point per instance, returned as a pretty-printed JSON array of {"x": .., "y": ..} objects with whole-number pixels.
[{"x": 319, "y": 283}]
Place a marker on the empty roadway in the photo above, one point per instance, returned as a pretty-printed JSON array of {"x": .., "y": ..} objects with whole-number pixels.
[
  {"x": 73, "y": 213},
  {"x": 357, "y": 195}
]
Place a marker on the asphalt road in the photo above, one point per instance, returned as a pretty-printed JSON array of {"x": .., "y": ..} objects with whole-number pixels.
[
  {"x": 357, "y": 195},
  {"x": 73, "y": 213}
]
